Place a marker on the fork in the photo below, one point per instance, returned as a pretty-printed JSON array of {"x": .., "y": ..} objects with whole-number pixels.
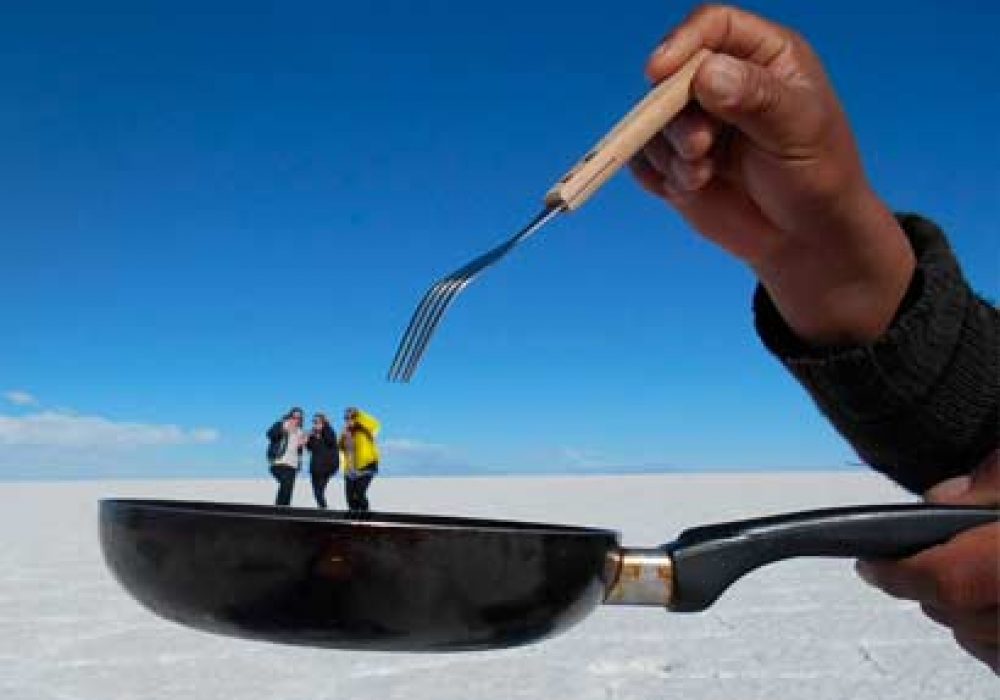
[{"x": 631, "y": 133}]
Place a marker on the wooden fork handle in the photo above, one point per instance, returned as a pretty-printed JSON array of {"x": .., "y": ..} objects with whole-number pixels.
[{"x": 632, "y": 132}]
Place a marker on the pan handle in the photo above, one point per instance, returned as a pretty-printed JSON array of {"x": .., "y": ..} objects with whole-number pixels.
[{"x": 708, "y": 559}]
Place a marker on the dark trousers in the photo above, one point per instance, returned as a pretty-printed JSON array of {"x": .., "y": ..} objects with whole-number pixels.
[
  {"x": 319, "y": 481},
  {"x": 356, "y": 490},
  {"x": 286, "y": 481}
]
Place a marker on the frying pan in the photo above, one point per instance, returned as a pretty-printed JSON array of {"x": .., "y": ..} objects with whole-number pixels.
[{"x": 398, "y": 582}]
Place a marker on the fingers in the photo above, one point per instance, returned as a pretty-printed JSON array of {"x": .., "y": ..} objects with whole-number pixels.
[
  {"x": 782, "y": 115},
  {"x": 648, "y": 177},
  {"x": 761, "y": 78},
  {"x": 978, "y": 627},
  {"x": 989, "y": 654},
  {"x": 677, "y": 174},
  {"x": 680, "y": 159},
  {"x": 659, "y": 155},
  {"x": 957, "y": 585},
  {"x": 765, "y": 156},
  {"x": 718, "y": 206},
  {"x": 669, "y": 177},
  {"x": 980, "y": 488},
  {"x": 693, "y": 133},
  {"x": 723, "y": 30},
  {"x": 949, "y": 490},
  {"x": 962, "y": 575}
]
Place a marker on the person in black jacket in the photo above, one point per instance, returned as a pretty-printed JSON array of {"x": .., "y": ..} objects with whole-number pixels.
[
  {"x": 284, "y": 452},
  {"x": 868, "y": 310},
  {"x": 324, "y": 460}
]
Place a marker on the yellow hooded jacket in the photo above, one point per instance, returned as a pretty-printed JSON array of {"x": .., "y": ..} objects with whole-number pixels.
[{"x": 365, "y": 451}]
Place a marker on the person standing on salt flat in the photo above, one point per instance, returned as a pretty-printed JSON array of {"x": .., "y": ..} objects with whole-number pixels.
[
  {"x": 284, "y": 451},
  {"x": 358, "y": 443},
  {"x": 324, "y": 456}
]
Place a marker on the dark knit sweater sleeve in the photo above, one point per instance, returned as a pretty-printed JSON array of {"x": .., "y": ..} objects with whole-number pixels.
[{"x": 919, "y": 404}]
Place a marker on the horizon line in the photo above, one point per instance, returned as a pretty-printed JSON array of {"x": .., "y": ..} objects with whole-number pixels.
[{"x": 73, "y": 476}]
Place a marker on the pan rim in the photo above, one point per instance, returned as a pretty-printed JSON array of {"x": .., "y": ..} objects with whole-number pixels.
[{"x": 374, "y": 520}]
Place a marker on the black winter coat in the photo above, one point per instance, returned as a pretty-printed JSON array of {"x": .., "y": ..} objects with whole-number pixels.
[
  {"x": 325, "y": 456},
  {"x": 277, "y": 441}
]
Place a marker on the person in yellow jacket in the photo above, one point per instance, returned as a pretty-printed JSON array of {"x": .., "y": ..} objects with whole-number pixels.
[{"x": 357, "y": 440}]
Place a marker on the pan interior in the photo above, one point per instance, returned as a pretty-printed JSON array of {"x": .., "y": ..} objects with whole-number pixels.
[{"x": 214, "y": 509}]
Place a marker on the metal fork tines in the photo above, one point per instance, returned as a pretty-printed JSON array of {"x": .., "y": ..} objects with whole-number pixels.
[{"x": 441, "y": 295}]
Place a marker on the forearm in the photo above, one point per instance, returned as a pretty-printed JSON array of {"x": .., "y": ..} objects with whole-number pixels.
[
  {"x": 842, "y": 284},
  {"x": 920, "y": 402}
]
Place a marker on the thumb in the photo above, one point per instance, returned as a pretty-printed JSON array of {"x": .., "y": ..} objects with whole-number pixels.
[
  {"x": 981, "y": 487},
  {"x": 772, "y": 111}
]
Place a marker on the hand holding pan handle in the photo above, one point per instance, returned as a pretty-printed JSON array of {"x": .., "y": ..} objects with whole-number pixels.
[{"x": 690, "y": 573}]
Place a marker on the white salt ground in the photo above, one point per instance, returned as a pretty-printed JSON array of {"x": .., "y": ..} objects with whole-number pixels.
[{"x": 805, "y": 629}]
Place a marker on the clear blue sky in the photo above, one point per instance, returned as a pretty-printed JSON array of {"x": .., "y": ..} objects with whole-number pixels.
[{"x": 212, "y": 211}]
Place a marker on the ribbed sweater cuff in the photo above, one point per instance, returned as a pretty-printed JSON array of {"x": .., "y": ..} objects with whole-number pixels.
[{"x": 920, "y": 402}]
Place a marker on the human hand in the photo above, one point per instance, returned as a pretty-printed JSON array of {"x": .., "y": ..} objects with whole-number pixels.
[
  {"x": 956, "y": 583},
  {"x": 764, "y": 164}
]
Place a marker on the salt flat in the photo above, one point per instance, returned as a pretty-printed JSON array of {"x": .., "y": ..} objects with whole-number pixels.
[{"x": 803, "y": 629}]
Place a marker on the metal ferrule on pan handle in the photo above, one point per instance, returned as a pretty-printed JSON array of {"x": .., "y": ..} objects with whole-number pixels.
[{"x": 640, "y": 577}]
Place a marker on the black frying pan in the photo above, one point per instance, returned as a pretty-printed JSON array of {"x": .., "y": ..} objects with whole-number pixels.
[{"x": 424, "y": 583}]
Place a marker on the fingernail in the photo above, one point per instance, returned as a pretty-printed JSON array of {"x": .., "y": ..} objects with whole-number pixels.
[
  {"x": 724, "y": 78},
  {"x": 660, "y": 55},
  {"x": 671, "y": 48}
]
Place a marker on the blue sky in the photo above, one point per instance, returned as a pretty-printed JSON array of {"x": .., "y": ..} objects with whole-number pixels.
[{"x": 209, "y": 212}]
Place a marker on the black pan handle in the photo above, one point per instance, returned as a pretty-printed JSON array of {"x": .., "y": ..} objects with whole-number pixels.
[{"x": 708, "y": 559}]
